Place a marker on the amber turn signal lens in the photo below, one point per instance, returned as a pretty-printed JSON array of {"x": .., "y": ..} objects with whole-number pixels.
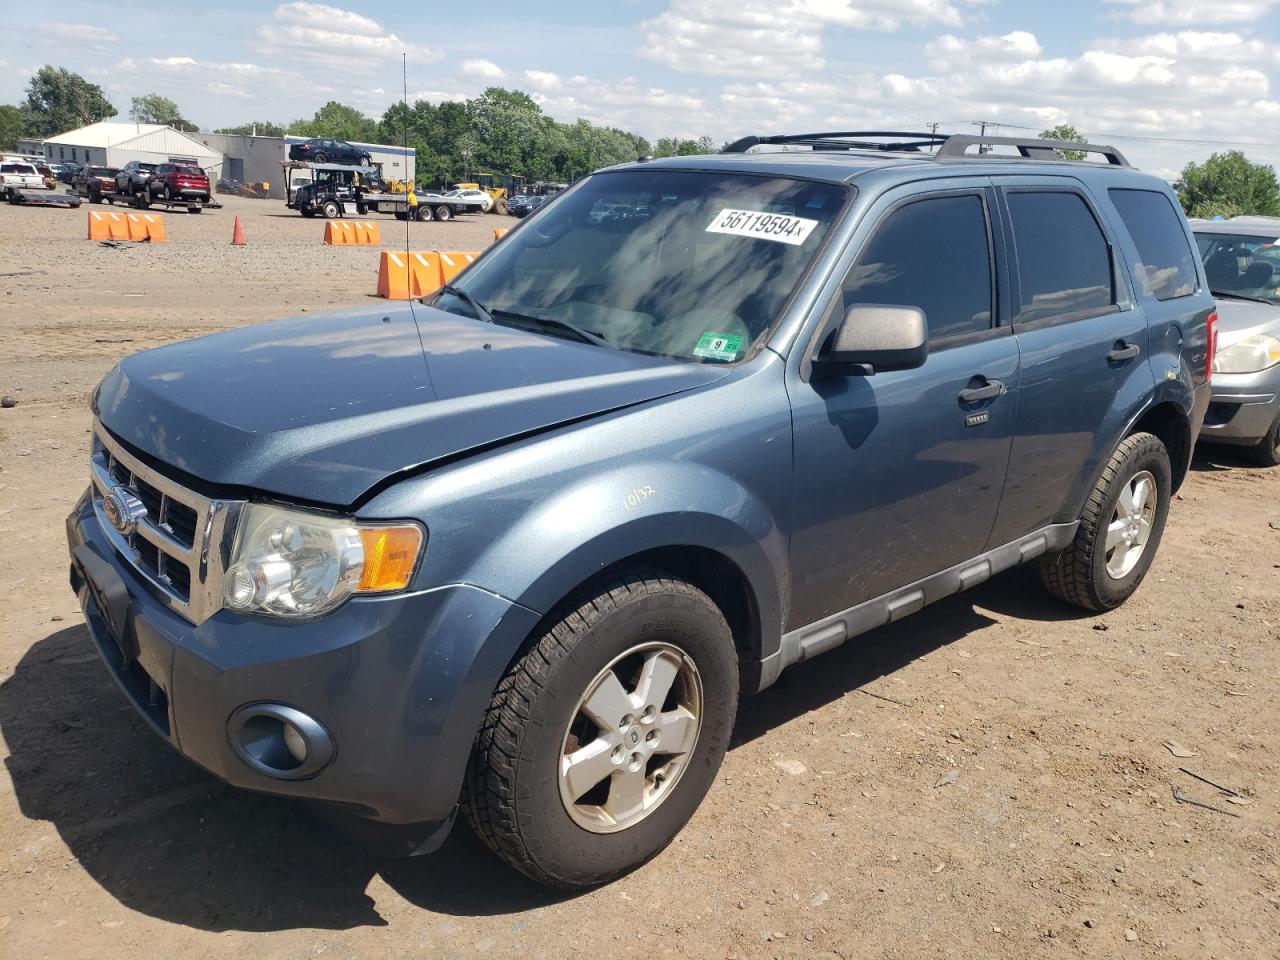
[{"x": 390, "y": 554}]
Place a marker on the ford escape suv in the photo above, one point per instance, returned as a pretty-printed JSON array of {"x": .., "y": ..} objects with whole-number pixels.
[{"x": 518, "y": 548}]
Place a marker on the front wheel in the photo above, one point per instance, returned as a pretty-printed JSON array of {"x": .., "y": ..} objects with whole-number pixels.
[
  {"x": 1267, "y": 451},
  {"x": 365, "y": 161},
  {"x": 602, "y": 740},
  {"x": 1119, "y": 531},
  {"x": 331, "y": 210},
  {"x": 320, "y": 158}
]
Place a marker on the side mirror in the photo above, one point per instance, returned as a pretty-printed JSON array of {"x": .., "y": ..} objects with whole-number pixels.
[{"x": 875, "y": 338}]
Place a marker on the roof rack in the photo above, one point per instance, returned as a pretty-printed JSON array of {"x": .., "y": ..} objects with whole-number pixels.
[
  {"x": 1030, "y": 148},
  {"x": 846, "y": 140},
  {"x": 954, "y": 146}
]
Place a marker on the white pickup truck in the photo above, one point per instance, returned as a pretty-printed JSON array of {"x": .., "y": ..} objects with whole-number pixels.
[{"x": 19, "y": 176}]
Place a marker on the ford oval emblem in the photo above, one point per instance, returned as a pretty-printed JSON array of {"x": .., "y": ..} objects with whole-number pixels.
[{"x": 123, "y": 510}]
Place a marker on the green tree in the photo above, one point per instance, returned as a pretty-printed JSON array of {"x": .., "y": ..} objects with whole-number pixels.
[
  {"x": 10, "y": 126},
  {"x": 338, "y": 121},
  {"x": 257, "y": 128},
  {"x": 1227, "y": 185},
  {"x": 153, "y": 108},
  {"x": 1065, "y": 131},
  {"x": 59, "y": 100}
]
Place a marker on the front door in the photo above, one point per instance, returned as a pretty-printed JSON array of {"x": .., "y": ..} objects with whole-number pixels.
[{"x": 898, "y": 475}]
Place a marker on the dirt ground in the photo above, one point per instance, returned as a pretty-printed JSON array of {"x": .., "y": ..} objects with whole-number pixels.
[{"x": 985, "y": 779}]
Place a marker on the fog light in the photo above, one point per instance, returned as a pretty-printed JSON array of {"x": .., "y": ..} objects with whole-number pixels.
[{"x": 280, "y": 741}]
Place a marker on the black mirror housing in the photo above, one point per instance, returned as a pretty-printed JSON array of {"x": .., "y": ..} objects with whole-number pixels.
[{"x": 876, "y": 338}]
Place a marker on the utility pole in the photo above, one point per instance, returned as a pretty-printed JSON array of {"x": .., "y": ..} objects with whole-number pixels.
[{"x": 982, "y": 132}]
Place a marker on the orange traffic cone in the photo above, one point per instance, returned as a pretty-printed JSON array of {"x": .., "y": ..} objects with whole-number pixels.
[{"x": 237, "y": 236}]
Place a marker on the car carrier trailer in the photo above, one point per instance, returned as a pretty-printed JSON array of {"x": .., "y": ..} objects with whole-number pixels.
[{"x": 332, "y": 189}]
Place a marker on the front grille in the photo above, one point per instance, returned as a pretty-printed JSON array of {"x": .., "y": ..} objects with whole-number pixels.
[{"x": 179, "y": 544}]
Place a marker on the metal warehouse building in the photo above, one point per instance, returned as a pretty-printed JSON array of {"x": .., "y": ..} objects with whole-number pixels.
[
  {"x": 248, "y": 159},
  {"x": 115, "y": 144}
]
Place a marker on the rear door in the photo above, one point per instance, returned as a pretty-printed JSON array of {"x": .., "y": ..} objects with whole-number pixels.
[
  {"x": 898, "y": 475},
  {"x": 1084, "y": 347}
]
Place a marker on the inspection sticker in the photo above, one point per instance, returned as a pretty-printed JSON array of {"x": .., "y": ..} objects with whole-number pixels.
[
  {"x": 763, "y": 226},
  {"x": 717, "y": 346}
]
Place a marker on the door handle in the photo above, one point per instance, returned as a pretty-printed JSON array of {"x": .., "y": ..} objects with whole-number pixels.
[
  {"x": 1123, "y": 351},
  {"x": 991, "y": 390}
]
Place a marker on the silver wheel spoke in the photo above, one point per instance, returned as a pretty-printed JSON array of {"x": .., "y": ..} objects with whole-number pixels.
[
  {"x": 1115, "y": 534},
  {"x": 1126, "y": 499},
  {"x": 626, "y": 795},
  {"x": 656, "y": 677},
  {"x": 1141, "y": 490},
  {"x": 608, "y": 703},
  {"x": 1116, "y": 559},
  {"x": 678, "y": 731},
  {"x": 587, "y": 766},
  {"x": 1144, "y": 530}
]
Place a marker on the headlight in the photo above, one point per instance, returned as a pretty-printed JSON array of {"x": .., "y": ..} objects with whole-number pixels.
[
  {"x": 1248, "y": 356},
  {"x": 287, "y": 563}
]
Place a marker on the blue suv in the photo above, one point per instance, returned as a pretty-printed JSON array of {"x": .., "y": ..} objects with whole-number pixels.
[{"x": 518, "y": 548}]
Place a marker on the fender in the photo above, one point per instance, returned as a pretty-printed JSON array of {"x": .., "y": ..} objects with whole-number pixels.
[{"x": 566, "y": 539}]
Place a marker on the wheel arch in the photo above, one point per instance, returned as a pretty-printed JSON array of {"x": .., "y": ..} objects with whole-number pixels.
[{"x": 1172, "y": 424}]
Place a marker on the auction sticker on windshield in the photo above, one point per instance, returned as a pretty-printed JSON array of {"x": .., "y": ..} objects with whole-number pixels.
[{"x": 763, "y": 226}]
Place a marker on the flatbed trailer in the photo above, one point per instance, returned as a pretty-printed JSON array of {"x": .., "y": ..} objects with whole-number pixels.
[
  {"x": 43, "y": 198},
  {"x": 334, "y": 190},
  {"x": 143, "y": 202}
]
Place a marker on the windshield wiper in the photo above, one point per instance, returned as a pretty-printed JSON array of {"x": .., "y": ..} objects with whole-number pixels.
[
  {"x": 1242, "y": 296},
  {"x": 469, "y": 300},
  {"x": 586, "y": 336}
]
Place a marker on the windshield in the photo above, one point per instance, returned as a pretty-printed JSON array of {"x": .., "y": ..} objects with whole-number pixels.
[
  {"x": 679, "y": 264},
  {"x": 1240, "y": 265}
]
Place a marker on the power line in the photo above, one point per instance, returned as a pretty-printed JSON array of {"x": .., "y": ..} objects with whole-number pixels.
[{"x": 1125, "y": 136}]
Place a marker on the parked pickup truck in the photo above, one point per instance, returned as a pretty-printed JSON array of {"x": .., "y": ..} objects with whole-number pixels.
[
  {"x": 19, "y": 176},
  {"x": 518, "y": 548}
]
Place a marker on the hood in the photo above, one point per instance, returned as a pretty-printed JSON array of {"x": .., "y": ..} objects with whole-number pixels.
[
  {"x": 1240, "y": 319},
  {"x": 322, "y": 408}
]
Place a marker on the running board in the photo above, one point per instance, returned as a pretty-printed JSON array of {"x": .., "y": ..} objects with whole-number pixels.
[{"x": 829, "y": 632}]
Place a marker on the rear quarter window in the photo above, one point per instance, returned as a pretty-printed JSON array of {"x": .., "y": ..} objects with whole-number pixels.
[
  {"x": 1064, "y": 260},
  {"x": 1167, "y": 268}
]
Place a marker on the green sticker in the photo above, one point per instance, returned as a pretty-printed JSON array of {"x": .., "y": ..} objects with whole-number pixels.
[{"x": 718, "y": 346}]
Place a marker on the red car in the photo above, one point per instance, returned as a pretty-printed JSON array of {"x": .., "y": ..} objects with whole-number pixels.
[{"x": 180, "y": 181}]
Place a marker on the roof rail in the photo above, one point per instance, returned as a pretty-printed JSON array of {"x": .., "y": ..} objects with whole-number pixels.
[
  {"x": 896, "y": 140},
  {"x": 954, "y": 146},
  {"x": 1031, "y": 148}
]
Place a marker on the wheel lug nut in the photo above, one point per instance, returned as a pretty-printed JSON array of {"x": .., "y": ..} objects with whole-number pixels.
[
  {"x": 617, "y": 755},
  {"x": 626, "y": 721}
]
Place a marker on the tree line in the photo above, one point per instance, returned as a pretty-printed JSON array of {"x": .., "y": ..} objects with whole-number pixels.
[{"x": 505, "y": 131}]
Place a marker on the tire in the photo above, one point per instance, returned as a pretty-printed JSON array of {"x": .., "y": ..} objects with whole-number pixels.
[
  {"x": 513, "y": 796},
  {"x": 500, "y": 207},
  {"x": 164, "y": 193},
  {"x": 1267, "y": 450},
  {"x": 320, "y": 158},
  {"x": 330, "y": 210},
  {"x": 444, "y": 213},
  {"x": 424, "y": 214},
  {"x": 307, "y": 213},
  {"x": 1088, "y": 573},
  {"x": 365, "y": 161}
]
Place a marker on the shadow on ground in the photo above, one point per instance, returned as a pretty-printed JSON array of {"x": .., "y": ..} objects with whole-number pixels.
[{"x": 170, "y": 841}]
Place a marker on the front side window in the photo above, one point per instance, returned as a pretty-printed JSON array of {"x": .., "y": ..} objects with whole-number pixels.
[
  {"x": 1167, "y": 268},
  {"x": 1241, "y": 265},
  {"x": 687, "y": 264},
  {"x": 1064, "y": 261},
  {"x": 933, "y": 254}
]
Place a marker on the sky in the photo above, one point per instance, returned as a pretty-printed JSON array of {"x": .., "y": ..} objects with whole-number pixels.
[{"x": 1148, "y": 76}]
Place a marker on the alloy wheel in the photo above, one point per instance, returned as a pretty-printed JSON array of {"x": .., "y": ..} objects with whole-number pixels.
[
  {"x": 630, "y": 737},
  {"x": 1130, "y": 527}
]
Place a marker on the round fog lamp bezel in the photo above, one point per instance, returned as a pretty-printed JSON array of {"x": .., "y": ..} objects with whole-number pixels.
[{"x": 319, "y": 743}]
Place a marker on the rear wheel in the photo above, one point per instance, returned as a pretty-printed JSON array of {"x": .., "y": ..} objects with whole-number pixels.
[
  {"x": 444, "y": 213},
  {"x": 1119, "y": 531},
  {"x": 602, "y": 740},
  {"x": 1267, "y": 450},
  {"x": 364, "y": 161},
  {"x": 424, "y": 213},
  {"x": 320, "y": 158}
]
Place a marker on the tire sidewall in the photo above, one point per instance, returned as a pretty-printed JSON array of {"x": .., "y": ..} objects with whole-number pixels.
[
  {"x": 1151, "y": 457},
  {"x": 565, "y": 849}
]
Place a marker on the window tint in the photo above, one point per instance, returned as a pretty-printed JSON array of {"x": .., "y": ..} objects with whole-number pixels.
[
  {"x": 1064, "y": 264},
  {"x": 1167, "y": 269},
  {"x": 933, "y": 254}
]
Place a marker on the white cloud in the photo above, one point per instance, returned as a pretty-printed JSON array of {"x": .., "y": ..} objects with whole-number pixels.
[
  {"x": 1196, "y": 46},
  {"x": 81, "y": 31},
  {"x": 771, "y": 38},
  {"x": 543, "y": 79},
  {"x": 1186, "y": 12},
  {"x": 951, "y": 51},
  {"x": 482, "y": 70},
  {"x": 322, "y": 33},
  {"x": 241, "y": 81}
]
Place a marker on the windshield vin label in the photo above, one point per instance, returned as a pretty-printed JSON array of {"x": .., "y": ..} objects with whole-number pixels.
[{"x": 763, "y": 226}]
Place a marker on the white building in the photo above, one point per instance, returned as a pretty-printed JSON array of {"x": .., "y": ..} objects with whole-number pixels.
[{"x": 112, "y": 144}]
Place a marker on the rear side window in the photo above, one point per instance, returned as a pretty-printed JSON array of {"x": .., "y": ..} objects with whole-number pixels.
[
  {"x": 1064, "y": 262},
  {"x": 933, "y": 254},
  {"x": 1167, "y": 269}
]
